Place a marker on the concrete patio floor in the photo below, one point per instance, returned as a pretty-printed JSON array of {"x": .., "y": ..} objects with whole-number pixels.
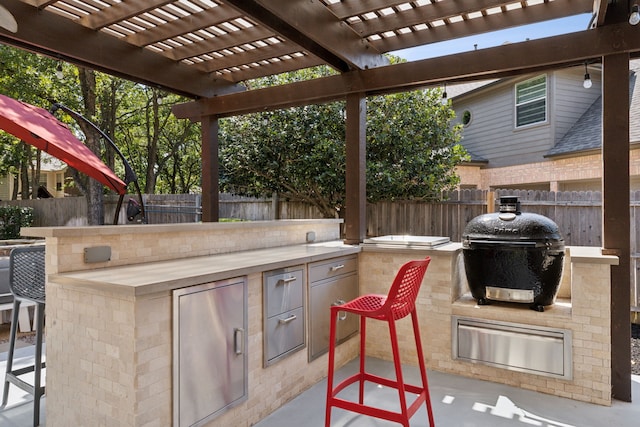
[
  {"x": 457, "y": 402},
  {"x": 19, "y": 409}
]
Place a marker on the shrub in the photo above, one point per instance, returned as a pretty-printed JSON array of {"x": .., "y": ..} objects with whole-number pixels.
[{"x": 12, "y": 218}]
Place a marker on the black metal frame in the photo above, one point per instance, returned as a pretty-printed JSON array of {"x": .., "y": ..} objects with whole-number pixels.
[{"x": 129, "y": 175}]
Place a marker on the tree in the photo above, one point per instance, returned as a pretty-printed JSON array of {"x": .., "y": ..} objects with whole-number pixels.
[
  {"x": 412, "y": 149},
  {"x": 93, "y": 189},
  {"x": 23, "y": 76},
  {"x": 299, "y": 153},
  {"x": 163, "y": 151}
]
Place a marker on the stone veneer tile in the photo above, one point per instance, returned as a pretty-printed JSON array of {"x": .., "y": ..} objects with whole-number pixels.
[
  {"x": 108, "y": 389},
  {"x": 587, "y": 317}
]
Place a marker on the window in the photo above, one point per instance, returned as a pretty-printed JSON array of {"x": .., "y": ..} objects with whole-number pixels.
[
  {"x": 466, "y": 117},
  {"x": 531, "y": 101}
]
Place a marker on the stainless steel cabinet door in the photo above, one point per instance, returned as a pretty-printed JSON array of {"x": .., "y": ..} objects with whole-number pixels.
[
  {"x": 322, "y": 296},
  {"x": 210, "y": 363}
]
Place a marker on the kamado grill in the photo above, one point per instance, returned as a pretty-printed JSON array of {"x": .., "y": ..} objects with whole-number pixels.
[{"x": 513, "y": 256}]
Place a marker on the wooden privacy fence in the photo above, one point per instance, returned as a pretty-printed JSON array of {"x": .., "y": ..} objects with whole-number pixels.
[{"x": 578, "y": 214}]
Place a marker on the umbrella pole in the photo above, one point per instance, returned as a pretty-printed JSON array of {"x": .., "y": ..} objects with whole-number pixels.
[
  {"x": 117, "y": 214},
  {"x": 130, "y": 175},
  {"x": 142, "y": 214}
]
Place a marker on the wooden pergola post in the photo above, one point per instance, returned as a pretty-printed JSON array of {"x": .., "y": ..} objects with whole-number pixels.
[
  {"x": 210, "y": 169},
  {"x": 356, "y": 171},
  {"x": 616, "y": 216}
]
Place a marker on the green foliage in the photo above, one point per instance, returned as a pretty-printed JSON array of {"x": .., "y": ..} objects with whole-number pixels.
[
  {"x": 412, "y": 150},
  {"x": 12, "y": 218},
  {"x": 298, "y": 152},
  {"x": 163, "y": 150}
]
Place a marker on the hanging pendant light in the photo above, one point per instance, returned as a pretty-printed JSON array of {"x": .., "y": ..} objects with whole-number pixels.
[
  {"x": 634, "y": 17},
  {"x": 587, "y": 83}
]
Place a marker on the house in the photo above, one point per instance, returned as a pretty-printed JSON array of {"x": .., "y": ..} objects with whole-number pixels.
[
  {"x": 540, "y": 131},
  {"x": 52, "y": 178}
]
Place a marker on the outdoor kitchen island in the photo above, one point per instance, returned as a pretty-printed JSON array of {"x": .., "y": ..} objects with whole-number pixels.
[
  {"x": 109, "y": 325},
  {"x": 110, "y": 318}
]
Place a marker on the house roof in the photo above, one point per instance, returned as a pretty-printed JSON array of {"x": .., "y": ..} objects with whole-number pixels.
[
  {"x": 474, "y": 158},
  {"x": 586, "y": 133},
  {"x": 464, "y": 89},
  {"x": 51, "y": 164}
]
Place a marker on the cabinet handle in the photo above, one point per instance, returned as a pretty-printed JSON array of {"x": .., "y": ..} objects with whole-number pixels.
[
  {"x": 287, "y": 320},
  {"x": 238, "y": 340},
  {"x": 288, "y": 280},
  {"x": 342, "y": 315},
  {"x": 337, "y": 267}
]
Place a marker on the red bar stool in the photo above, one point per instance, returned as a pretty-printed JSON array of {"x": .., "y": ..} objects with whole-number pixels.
[{"x": 399, "y": 303}]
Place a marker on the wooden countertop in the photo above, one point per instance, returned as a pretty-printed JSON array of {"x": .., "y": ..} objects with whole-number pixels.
[{"x": 164, "y": 276}]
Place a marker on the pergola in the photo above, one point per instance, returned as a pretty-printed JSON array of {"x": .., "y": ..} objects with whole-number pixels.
[{"x": 207, "y": 49}]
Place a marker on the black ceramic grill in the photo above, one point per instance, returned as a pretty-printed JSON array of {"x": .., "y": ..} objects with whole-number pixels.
[{"x": 513, "y": 256}]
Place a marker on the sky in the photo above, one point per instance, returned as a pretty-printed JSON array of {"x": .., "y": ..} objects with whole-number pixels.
[{"x": 496, "y": 38}]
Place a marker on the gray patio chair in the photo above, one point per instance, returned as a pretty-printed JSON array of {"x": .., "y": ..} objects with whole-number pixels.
[{"x": 27, "y": 283}]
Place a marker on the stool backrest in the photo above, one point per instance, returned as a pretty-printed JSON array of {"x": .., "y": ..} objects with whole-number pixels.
[
  {"x": 401, "y": 299},
  {"x": 26, "y": 273}
]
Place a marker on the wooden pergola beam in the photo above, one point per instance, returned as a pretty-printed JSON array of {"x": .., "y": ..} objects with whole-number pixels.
[
  {"x": 497, "y": 62},
  {"x": 312, "y": 26},
  {"x": 444, "y": 10},
  {"x": 49, "y": 34}
]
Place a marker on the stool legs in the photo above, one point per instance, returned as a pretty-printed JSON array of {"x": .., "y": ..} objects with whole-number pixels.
[
  {"x": 398, "y": 367},
  {"x": 332, "y": 346},
  {"x": 363, "y": 342},
  {"x": 38, "y": 388},
  {"x": 405, "y": 411},
  {"x": 12, "y": 345},
  {"x": 12, "y": 376},
  {"x": 423, "y": 369}
]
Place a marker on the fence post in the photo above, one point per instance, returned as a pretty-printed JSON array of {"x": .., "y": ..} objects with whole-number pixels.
[
  {"x": 197, "y": 208},
  {"x": 491, "y": 201},
  {"x": 275, "y": 205}
]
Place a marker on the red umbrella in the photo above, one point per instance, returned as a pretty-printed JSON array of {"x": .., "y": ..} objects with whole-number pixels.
[{"x": 37, "y": 127}]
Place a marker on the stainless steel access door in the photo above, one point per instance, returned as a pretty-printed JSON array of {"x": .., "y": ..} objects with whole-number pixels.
[{"x": 210, "y": 339}]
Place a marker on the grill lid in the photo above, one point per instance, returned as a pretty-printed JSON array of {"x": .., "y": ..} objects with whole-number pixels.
[{"x": 513, "y": 227}]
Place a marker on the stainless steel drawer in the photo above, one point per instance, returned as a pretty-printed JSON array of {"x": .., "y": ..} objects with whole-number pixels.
[
  {"x": 525, "y": 348},
  {"x": 326, "y": 269},
  {"x": 284, "y": 291},
  {"x": 286, "y": 333}
]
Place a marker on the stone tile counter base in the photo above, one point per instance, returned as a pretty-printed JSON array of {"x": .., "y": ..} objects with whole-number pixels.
[
  {"x": 584, "y": 309},
  {"x": 109, "y": 325},
  {"x": 119, "y": 371}
]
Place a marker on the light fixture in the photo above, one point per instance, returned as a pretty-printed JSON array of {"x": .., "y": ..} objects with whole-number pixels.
[
  {"x": 587, "y": 83},
  {"x": 634, "y": 17},
  {"x": 59, "y": 73},
  {"x": 444, "y": 99}
]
